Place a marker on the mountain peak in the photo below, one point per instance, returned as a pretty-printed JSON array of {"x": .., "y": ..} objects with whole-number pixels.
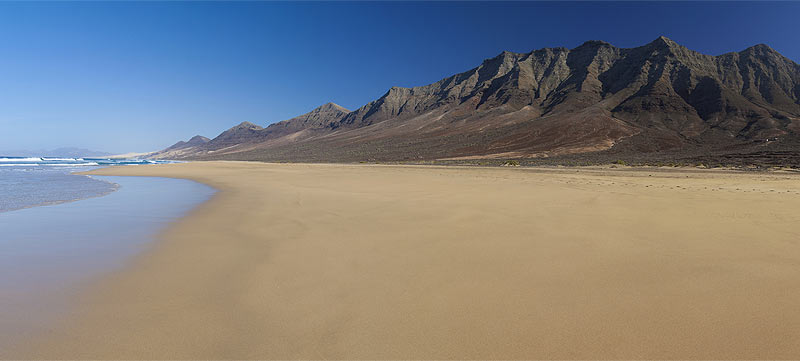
[
  {"x": 762, "y": 48},
  {"x": 504, "y": 56},
  {"x": 663, "y": 41},
  {"x": 247, "y": 125},
  {"x": 594, "y": 43},
  {"x": 198, "y": 139},
  {"x": 320, "y": 117},
  {"x": 396, "y": 90},
  {"x": 332, "y": 106}
]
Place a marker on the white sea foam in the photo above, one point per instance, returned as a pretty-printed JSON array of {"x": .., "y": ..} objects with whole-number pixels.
[
  {"x": 72, "y": 164},
  {"x": 6, "y": 160}
]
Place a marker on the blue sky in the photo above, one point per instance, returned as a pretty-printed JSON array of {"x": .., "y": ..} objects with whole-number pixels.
[{"x": 138, "y": 76}]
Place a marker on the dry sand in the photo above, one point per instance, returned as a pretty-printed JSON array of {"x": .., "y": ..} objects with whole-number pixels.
[{"x": 294, "y": 261}]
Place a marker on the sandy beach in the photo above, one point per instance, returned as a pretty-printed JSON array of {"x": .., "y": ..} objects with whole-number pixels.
[{"x": 300, "y": 261}]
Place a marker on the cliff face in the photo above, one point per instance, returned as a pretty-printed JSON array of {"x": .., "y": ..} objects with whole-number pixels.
[{"x": 660, "y": 96}]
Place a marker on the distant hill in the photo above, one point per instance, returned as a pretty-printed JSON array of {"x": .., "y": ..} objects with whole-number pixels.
[
  {"x": 181, "y": 148},
  {"x": 657, "y": 100},
  {"x": 66, "y": 152}
]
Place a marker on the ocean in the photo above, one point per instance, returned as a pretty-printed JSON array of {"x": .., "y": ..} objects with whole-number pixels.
[{"x": 28, "y": 182}]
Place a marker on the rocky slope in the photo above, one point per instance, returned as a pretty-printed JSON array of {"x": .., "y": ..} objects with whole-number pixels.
[
  {"x": 660, "y": 97},
  {"x": 182, "y": 148}
]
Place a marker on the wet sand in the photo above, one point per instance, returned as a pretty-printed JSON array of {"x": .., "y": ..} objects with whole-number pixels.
[
  {"x": 293, "y": 261},
  {"x": 49, "y": 254}
]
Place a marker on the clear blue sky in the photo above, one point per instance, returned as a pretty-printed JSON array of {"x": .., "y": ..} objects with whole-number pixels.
[{"x": 138, "y": 76}]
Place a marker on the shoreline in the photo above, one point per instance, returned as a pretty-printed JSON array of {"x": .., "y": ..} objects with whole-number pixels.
[
  {"x": 111, "y": 188},
  {"x": 115, "y": 187},
  {"x": 52, "y": 255},
  {"x": 319, "y": 261}
]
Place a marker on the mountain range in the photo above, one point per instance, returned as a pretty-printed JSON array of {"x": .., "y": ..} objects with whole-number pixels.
[
  {"x": 64, "y": 152},
  {"x": 596, "y": 99}
]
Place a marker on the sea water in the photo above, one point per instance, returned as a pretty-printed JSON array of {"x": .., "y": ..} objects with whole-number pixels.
[
  {"x": 49, "y": 253},
  {"x": 27, "y": 182}
]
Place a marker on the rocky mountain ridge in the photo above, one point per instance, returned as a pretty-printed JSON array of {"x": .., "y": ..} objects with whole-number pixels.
[{"x": 547, "y": 103}]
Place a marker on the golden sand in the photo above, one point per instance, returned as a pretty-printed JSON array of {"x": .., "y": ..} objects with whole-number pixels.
[{"x": 297, "y": 261}]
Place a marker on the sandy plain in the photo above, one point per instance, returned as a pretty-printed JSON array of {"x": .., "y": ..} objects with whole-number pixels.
[{"x": 302, "y": 261}]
